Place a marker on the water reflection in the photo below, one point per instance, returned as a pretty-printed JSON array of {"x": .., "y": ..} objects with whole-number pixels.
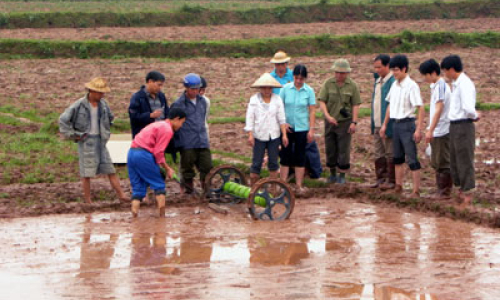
[{"x": 372, "y": 292}]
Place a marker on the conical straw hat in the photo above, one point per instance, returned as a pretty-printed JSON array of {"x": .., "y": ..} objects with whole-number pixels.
[
  {"x": 98, "y": 84},
  {"x": 280, "y": 57},
  {"x": 266, "y": 80}
]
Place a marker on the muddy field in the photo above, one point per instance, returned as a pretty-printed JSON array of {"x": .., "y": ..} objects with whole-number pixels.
[
  {"x": 51, "y": 85},
  {"x": 230, "y": 32},
  {"x": 329, "y": 249}
]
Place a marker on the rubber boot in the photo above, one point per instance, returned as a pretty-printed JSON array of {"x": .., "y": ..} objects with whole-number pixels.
[
  {"x": 254, "y": 178},
  {"x": 136, "y": 204},
  {"x": 447, "y": 184},
  {"x": 390, "y": 181},
  {"x": 160, "y": 202},
  {"x": 444, "y": 185},
  {"x": 333, "y": 176},
  {"x": 188, "y": 186},
  {"x": 380, "y": 171}
]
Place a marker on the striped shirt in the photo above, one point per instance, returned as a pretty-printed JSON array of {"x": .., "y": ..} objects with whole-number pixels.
[{"x": 440, "y": 92}]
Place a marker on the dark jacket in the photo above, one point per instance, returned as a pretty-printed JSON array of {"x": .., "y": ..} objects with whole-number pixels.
[
  {"x": 193, "y": 133},
  {"x": 384, "y": 92},
  {"x": 139, "y": 110}
]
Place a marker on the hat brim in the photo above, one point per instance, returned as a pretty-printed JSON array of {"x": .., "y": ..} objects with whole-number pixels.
[
  {"x": 99, "y": 90},
  {"x": 280, "y": 61},
  {"x": 341, "y": 70},
  {"x": 198, "y": 86},
  {"x": 266, "y": 85}
]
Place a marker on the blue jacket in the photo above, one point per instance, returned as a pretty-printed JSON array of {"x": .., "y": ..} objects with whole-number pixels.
[
  {"x": 385, "y": 90},
  {"x": 193, "y": 133},
  {"x": 139, "y": 110}
]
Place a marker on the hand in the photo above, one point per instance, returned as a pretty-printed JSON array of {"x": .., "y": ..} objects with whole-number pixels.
[
  {"x": 428, "y": 137},
  {"x": 80, "y": 138},
  {"x": 352, "y": 128},
  {"x": 284, "y": 141},
  {"x": 310, "y": 136},
  {"x": 332, "y": 120},
  {"x": 478, "y": 117},
  {"x": 155, "y": 114},
  {"x": 382, "y": 132},
  {"x": 170, "y": 173},
  {"x": 417, "y": 136},
  {"x": 251, "y": 141},
  {"x": 288, "y": 128}
]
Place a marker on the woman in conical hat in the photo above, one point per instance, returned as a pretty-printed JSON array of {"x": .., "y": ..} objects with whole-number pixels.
[{"x": 265, "y": 123}]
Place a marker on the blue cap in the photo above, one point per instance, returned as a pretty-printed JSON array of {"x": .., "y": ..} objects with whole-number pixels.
[{"x": 192, "y": 81}]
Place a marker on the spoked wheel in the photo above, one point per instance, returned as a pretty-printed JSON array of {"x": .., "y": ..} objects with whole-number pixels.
[
  {"x": 217, "y": 178},
  {"x": 271, "y": 199}
]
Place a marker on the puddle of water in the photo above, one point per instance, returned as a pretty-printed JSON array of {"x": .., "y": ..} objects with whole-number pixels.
[{"x": 359, "y": 252}]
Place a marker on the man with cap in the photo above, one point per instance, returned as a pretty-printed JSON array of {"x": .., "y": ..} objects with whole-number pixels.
[
  {"x": 87, "y": 122},
  {"x": 149, "y": 104},
  {"x": 339, "y": 100},
  {"x": 281, "y": 71},
  {"x": 192, "y": 138}
]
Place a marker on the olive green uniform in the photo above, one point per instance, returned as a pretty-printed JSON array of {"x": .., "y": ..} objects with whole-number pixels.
[{"x": 339, "y": 103}]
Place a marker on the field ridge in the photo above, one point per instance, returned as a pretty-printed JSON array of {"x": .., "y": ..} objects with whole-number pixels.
[{"x": 198, "y": 15}]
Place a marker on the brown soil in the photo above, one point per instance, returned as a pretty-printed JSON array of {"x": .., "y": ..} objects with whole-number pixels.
[
  {"x": 51, "y": 85},
  {"x": 330, "y": 249},
  {"x": 230, "y": 32}
]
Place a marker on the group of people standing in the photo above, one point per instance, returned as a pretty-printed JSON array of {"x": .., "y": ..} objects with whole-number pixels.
[
  {"x": 281, "y": 118},
  {"x": 280, "y": 121}
]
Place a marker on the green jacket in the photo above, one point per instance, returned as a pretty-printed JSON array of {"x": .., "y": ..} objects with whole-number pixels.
[{"x": 384, "y": 91}]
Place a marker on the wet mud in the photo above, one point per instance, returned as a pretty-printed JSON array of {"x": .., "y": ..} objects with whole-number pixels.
[
  {"x": 230, "y": 32},
  {"x": 329, "y": 249}
]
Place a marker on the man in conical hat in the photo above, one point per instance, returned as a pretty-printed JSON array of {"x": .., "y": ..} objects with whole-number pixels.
[{"x": 87, "y": 122}]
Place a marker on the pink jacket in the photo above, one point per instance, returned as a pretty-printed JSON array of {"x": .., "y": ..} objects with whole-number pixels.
[{"x": 155, "y": 138}]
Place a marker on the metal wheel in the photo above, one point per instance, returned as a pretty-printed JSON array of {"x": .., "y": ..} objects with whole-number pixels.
[
  {"x": 271, "y": 199},
  {"x": 215, "y": 180}
]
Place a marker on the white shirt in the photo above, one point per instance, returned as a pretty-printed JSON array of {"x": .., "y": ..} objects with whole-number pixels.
[
  {"x": 263, "y": 119},
  {"x": 440, "y": 92},
  {"x": 94, "y": 120},
  {"x": 206, "y": 115},
  {"x": 463, "y": 99},
  {"x": 404, "y": 97},
  {"x": 377, "y": 99}
]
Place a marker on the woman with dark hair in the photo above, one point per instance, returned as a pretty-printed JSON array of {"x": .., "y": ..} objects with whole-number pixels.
[{"x": 300, "y": 107}]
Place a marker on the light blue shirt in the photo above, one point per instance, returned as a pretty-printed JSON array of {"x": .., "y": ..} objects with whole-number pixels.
[
  {"x": 297, "y": 104},
  {"x": 287, "y": 78}
]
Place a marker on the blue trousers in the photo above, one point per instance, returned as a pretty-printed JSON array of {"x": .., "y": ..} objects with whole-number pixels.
[{"x": 143, "y": 172}]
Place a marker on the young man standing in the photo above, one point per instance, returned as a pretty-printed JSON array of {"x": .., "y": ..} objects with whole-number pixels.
[
  {"x": 384, "y": 165},
  {"x": 462, "y": 129},
  {"x": 281, "y": 71},
  {"x": 149, "y": 104},
  {"x": 147, "y": 155},
  {"x": 339, "y": 101},
  {"x": 192, "y": 138},
  {"x": 88, "y": 123},
  {"x": 439, "y": 128},
  {"x": 404, "y": 98}
]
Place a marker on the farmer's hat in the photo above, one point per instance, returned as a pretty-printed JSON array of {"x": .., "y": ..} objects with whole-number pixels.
[
  {"x": 341, "y": 65},
  {"x": 266, "y": 80},
  {"x": 280, "y": 57},
  {"x": 98, "y": 84}
]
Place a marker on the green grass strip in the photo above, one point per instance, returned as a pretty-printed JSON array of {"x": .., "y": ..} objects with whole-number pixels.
[
  {"x": 290, "y": 13},
  {"x": 404, "y": 42}
]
